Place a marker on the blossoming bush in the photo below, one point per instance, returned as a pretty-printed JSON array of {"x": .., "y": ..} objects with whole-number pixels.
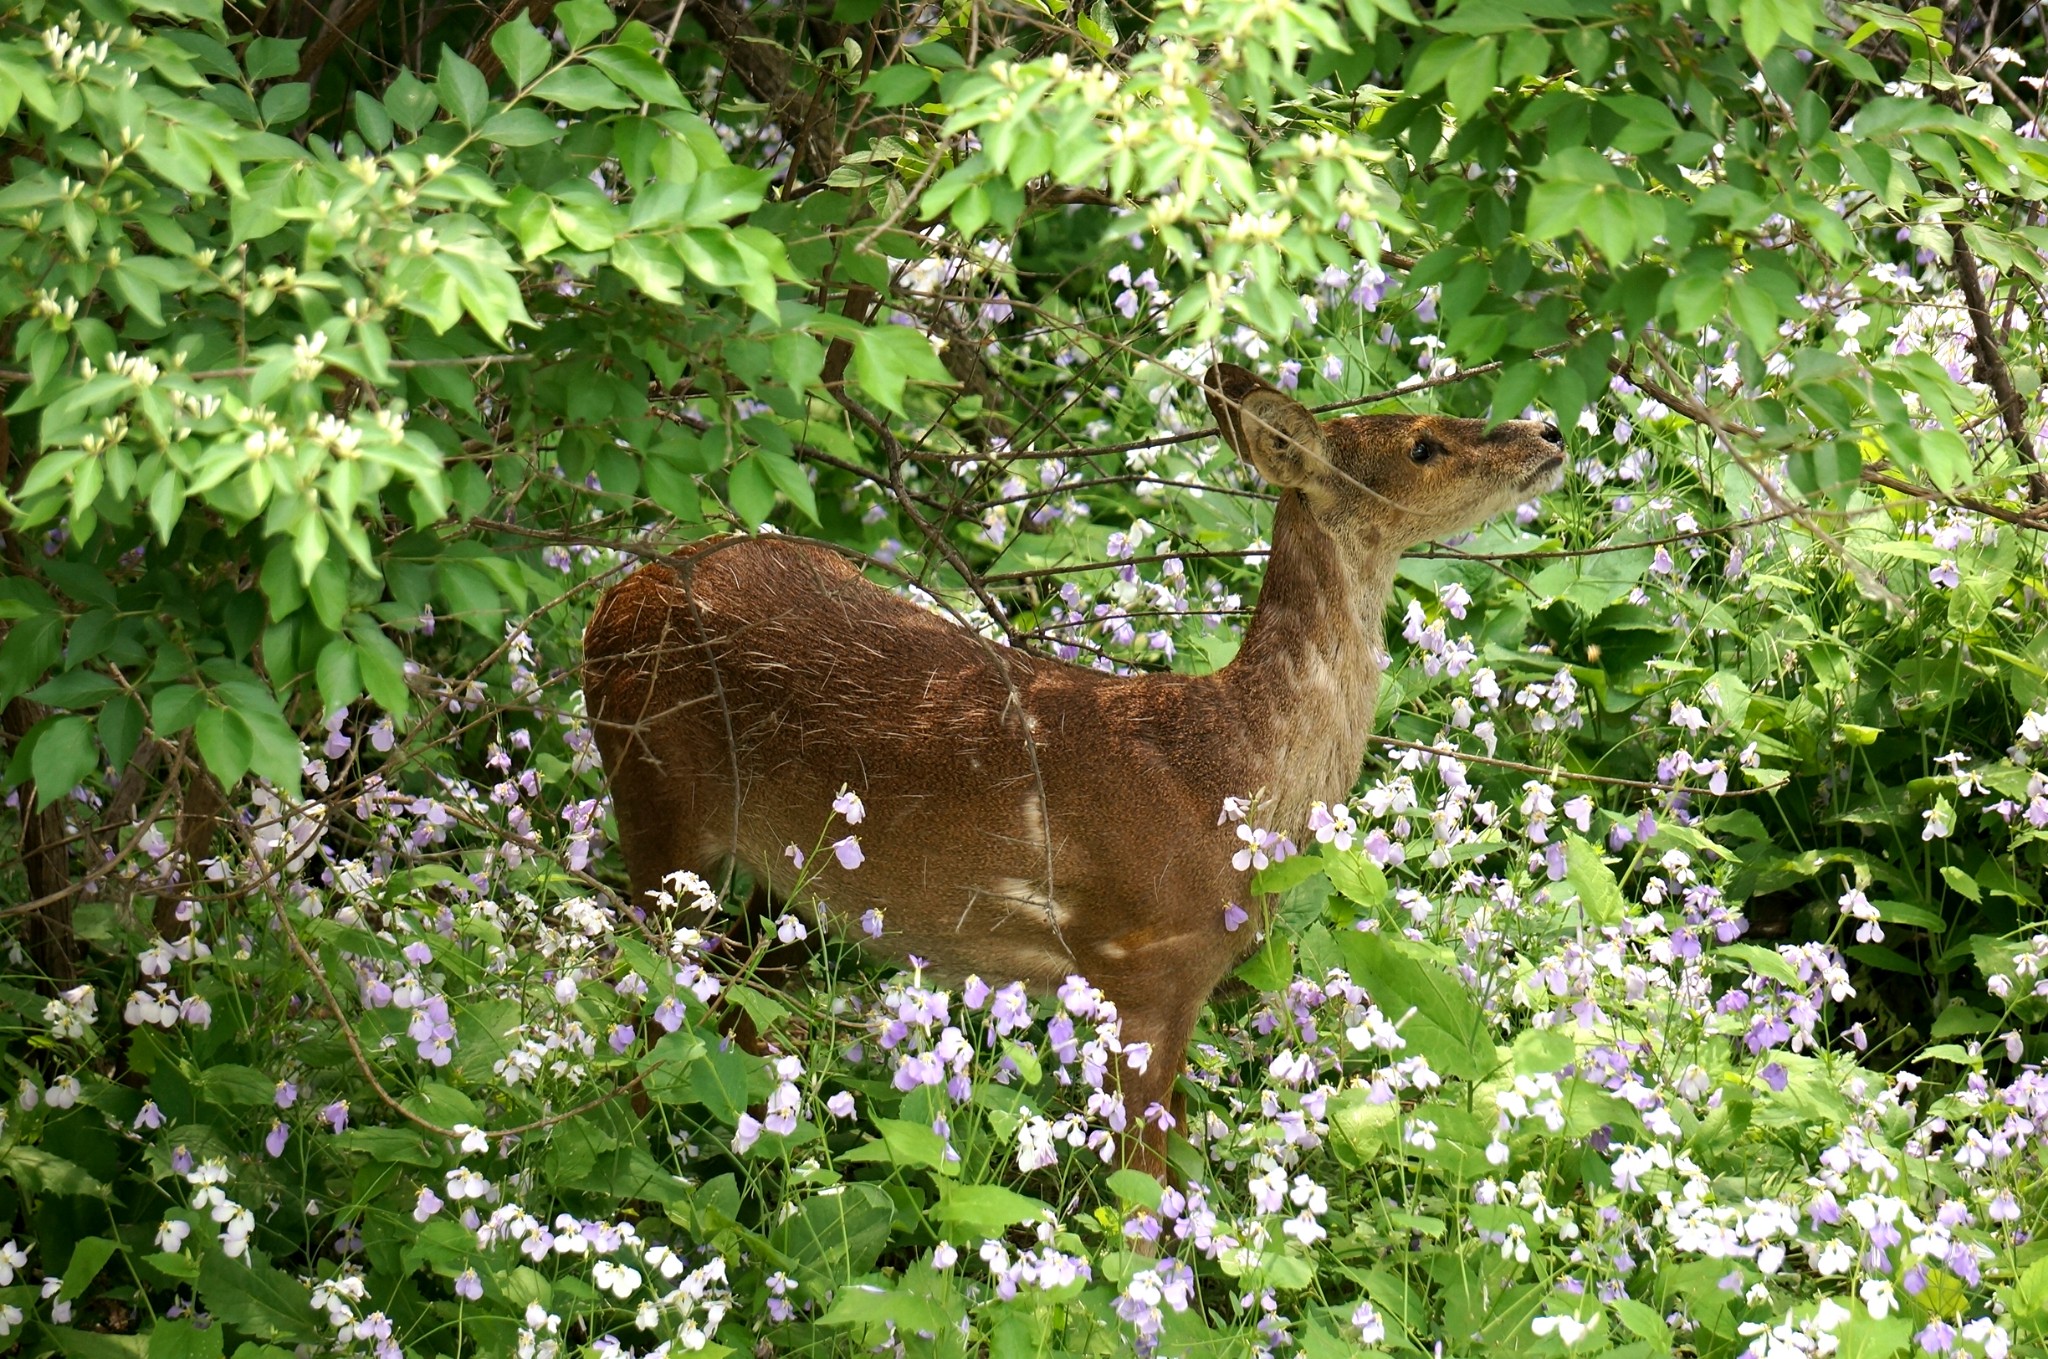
[{"x": 1672, "y": 984}]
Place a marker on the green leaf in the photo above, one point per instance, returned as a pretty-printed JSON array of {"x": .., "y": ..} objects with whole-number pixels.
[
  {"x": 65, "y": 755},
  {"x": 789, "y": 479},
  {"x": 462, "y": 89},
  {"x": 88, "y": 1257},
  {"x": 893, "y": 85},
  {"x": 181, "y": 1339},
  {"x": 371, "y": 120},
  {"x": 582, "y": 20},
  {"x": 886, "y": 358},
  {"x": 1587, "y": 872},
  {"x": 718, "y": 1080},
  {"x": 39, "y": 1172},
  {"x": 275, "y": 752},
  {"x": 409, "y": 101},
  {"x": 1760, "y": 27},
  {"x": 1134, "y": 1186},
  {"x": 383, "y": 668},
  {"x": 225, "y": 743},
  {"x": 31, "y": 648},
  {"x": 1272, "y": 967},
  {"x": 581, "y": 88},
  {"x": 985, "y": 1210},
  {"x": 269, "y": 58},
  {"x": 76, "y": 1344},
  {"x": 1764, "y": 962},
  {"x": 263, "y": 1301},
  {"x": 751, "y": 492},
  {"x": 838, "y": 1236},
  {"x": 1357, "y": 878},
  {"x": 523, "y": 49},
  {"x": 871, "y": 1305},
  {"x": 120, "y": 724},
  {"x": 721, "y": 194},
  {"x": 337, "y": 675},
  {"x": 640, "y": 73},
  {"x": 1961, "y": 883},
  {"x": 1425, "y": 1001}
]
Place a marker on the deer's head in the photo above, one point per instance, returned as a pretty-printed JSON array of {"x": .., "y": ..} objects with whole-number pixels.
[{"x": 1384, "y": 480}]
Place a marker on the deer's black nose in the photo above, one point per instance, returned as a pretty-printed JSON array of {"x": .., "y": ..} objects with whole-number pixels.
[{"x": 1551, "y": 434}]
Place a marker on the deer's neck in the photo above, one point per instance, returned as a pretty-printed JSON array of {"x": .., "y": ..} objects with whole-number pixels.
[{"x": 1308, "y": 673}]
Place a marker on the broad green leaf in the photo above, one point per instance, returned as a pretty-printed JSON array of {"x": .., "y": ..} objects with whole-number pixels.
[
  {"x": 522, "y": 48},
  {"x": 886, "y": 358},
  {"x": 581, "y": 88},
  {"x": 1589, "y": 876},
  {"x": 985, "y": 1210},
  {"x": 88, "y": 1257},
  {"x": 639, "y": 73},
  {"x": 893, "y": 85},
  {"x": 65, "y": 755},
  {"x": 1425, "y": 1000}
]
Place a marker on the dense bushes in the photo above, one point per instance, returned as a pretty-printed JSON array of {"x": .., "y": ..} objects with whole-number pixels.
[{"x": 1673, "y": 983}]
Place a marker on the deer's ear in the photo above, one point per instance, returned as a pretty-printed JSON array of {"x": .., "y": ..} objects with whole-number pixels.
[{"x": 1264, "y": 426}]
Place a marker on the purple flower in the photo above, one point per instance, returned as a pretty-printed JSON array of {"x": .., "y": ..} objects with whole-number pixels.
[
  {"x": 848, "y": 805},
  {"x": 1775, "y": 1076},
  {"x": 975, "y": 993},
  {"x": 1937, "y": 1338},
  {"x": 287, "y": 1094},
  {"x": 428, "y": 1204},
  {"x": 151, "y": 1117},
  {"x": 871, "y": 923},
  {"x": 847, "y": 851},
  {"x": 1234, "y": 917},
  {"x": 278, "y": 1136},
  {"x": 669, "y": 1014},
  {"x": 1946, "y": 576},
  {"x": 181, "y": 1160},
  {"x": 336, "y": 1115},
  {"x": 840, "y": 1105},
  {"x": 622, "y": 1037},
  {"x": 468, "y": 1285}
]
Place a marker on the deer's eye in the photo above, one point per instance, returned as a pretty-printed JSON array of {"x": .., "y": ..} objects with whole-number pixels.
[{"x": 1423, "y": 451}]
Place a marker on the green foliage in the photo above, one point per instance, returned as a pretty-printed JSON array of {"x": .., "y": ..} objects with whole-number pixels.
[{"x": 339, "y": 375}]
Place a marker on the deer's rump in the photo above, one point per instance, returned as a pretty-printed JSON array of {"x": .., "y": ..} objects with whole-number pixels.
[{"x": 1011, "y": 805}]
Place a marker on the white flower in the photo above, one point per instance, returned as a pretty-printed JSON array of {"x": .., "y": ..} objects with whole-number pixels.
[{"x": 1569, "y": 1329}]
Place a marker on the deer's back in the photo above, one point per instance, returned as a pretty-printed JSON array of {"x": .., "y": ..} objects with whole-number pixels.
[{"x": 772, "y": 670}]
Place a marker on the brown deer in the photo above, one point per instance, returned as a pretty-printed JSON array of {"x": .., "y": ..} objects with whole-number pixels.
[{"x": 1027, "y": 818}]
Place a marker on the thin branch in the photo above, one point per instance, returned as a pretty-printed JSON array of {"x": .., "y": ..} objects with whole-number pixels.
[{"x": 1991, "y": 368}]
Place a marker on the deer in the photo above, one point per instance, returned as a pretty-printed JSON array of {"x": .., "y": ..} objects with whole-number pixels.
[{"x": 1028, "y": 818}]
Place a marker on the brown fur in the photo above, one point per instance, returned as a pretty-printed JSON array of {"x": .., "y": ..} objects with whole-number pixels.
[{"x": 1026, "y": 818}]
